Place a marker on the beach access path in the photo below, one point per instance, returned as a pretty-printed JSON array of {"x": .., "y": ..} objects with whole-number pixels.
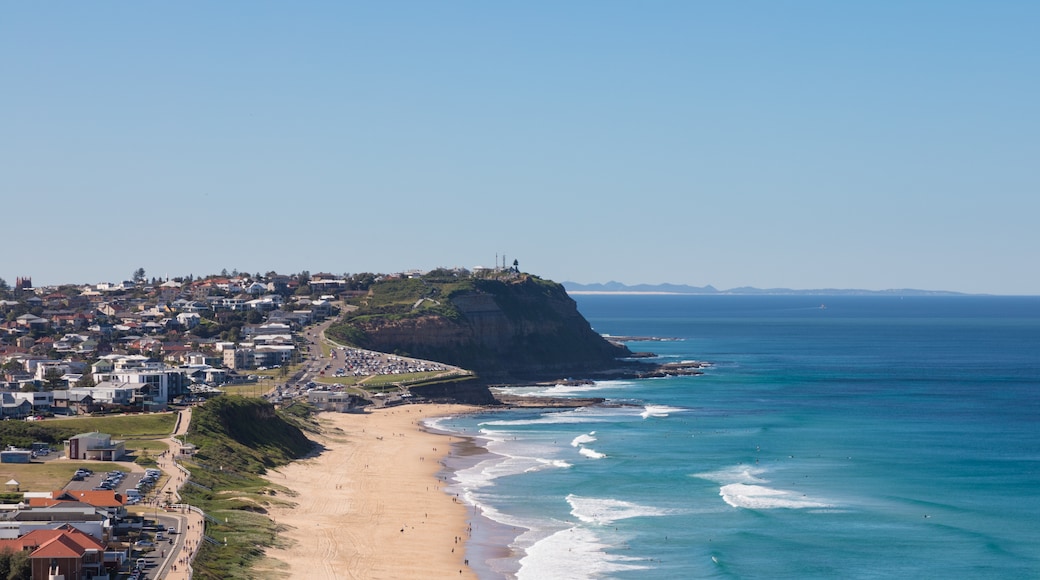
[
  {"x": 176, "y": 565},
  {"x": 370, "y": 505}
]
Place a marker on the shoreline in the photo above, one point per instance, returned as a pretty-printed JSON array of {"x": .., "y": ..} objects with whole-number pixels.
[
  {"x": 372, "y": 503},
  {"x": 489, "y": 547}
]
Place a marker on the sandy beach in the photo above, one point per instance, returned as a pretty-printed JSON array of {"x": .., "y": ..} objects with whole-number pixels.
[{"x": 371, "y": 505}]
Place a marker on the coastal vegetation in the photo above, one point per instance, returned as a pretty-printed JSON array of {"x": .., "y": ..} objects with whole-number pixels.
[{"x": 238, "y": 439}]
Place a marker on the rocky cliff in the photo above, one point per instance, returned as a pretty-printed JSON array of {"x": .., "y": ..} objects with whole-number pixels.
[{"x": 516, "y": 328}]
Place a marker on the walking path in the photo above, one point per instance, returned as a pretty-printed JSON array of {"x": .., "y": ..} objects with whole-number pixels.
[{"x": 177, "y": 565}]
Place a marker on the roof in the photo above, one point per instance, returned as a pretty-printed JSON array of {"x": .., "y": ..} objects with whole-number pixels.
[
  {"x": 104, "y": 498},
  {"x": 63, "y": 542},
  {"x": 61, "y": 546}
]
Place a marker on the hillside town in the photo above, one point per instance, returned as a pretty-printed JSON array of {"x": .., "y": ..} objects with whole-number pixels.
[
  {"x": 140, "y": 345},
  {"x": 150, "y": 347}
]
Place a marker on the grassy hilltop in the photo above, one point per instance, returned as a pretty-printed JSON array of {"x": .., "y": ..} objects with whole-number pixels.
[{"x": 512, "y": 325}]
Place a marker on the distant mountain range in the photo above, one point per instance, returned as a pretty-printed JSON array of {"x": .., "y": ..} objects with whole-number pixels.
[{"x": 619, "y": 288}]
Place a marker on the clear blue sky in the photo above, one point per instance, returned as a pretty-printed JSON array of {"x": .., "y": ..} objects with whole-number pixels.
[{"x": 772, "y": 144}]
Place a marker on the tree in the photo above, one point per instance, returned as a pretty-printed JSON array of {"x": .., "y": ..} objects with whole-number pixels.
[
  {"x": 361, "y": 281},
  {"x": 4, "y": 287},
  {"x": 87, "y": 380},
  {"x": 139, "y": 275},
  {"x": 15, "y": 565},
  {"x": 54, "y": 380}
]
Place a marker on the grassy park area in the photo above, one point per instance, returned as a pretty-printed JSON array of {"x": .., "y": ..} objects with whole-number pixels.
[
  {"x": 140, "y": 426},
  {"x": 141, "y": 433},
  {"x": 50, "y": 475}
]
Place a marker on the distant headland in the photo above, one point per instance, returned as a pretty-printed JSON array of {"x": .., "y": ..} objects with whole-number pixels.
[{"x": 619, "y": 288}]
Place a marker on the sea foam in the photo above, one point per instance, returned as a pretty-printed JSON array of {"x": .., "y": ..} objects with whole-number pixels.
[
  {"x": 658, "y": 411},
  {"x": 604, "y": 511},
  {"x": 582, "y": 439},
  {"x": 508, "y": 458},
  {"x": 741, "y": 495},
  {"x": 573, "y": 553},
  {"x": 561, "y": 390},
  {"x": 742, "y": 487},
  {"x": 591, "y": 453}
]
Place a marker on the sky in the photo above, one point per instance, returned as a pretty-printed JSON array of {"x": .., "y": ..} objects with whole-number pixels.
[{"x": 793, "y": 144}]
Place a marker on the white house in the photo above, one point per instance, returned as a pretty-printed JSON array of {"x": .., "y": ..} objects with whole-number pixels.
[
  {"x": 158, "y": 382},
  {"x": 189, "y": 320}
]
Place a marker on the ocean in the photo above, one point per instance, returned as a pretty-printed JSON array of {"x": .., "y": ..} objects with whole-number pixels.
[{"x": 830, "y": 437}]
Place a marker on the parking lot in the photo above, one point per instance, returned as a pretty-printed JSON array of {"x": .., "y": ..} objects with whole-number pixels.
[{"x": 134, "y": 485}]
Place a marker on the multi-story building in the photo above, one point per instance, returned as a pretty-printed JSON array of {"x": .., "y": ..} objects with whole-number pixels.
[{"x": 158, "y": 382}]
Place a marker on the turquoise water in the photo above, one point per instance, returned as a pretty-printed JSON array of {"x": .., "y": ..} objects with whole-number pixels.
[{"x": 878, "y": 437}]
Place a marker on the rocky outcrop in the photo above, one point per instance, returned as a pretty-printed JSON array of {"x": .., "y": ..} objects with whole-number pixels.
[
  {"x": 522, "y": 328},
  {"x": 469, "y": 393}
]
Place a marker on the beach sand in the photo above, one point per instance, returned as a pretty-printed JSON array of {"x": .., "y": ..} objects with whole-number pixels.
[{"x": 371, "y": 505}]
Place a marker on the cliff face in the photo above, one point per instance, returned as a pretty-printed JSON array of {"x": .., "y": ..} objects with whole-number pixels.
[{"x": 519, "y": 328}]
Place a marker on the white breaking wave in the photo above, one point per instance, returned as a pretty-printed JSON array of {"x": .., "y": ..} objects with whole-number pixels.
[
  {"x": 579, "y": 415},
  {"x": 659, "y": 411},
  {"x": 741, "y": 487},
  {"x": 573, "y": 553},
  {"x": 548, "y": 464},
  {"x": 560, "y": 390},
  {"x": 582, "y": 439},
  {"x": 435, "y": 423},
  {"x": 591, "y": 454},
  {"x": 592, "y": 510},
  {"x": 741, "y": 495},
  {"x": 507, "y": 459},
  {"x": 735, "y": 474}
]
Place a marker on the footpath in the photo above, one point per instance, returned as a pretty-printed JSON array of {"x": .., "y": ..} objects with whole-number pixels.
[{"x": 177, "y": 564}]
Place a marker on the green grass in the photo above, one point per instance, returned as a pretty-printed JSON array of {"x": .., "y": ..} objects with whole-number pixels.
[
  {"x": 339, "y": 380},
  {"x": 149, "y": 445},
  {"x": 50, "y": 475},
  {"x": 55, "y": 431},
  {"x": 144, "y": 451},
  {"x": 249, "y": 389},
  {"x": 401, "y": 379},
  {"x": 238, "y": 439},
  {"x": 278, "y": 374},
  {"x": 121, "y": 426},
  {"x": 247, "y": 534}
]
